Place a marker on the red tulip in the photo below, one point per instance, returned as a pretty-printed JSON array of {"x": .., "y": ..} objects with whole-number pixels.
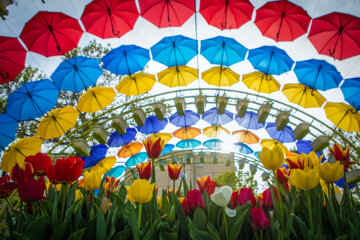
[
  {"x": 195, "y": 199},
  {"x": 31, "y": 189},
  {"x": 259, "y": 219},
  {"x": 234, "y": 199},
  {"x": 154, "y": 146},
  {"x": 21, "y": 174},
  {"x": 282, "y": 175},
  {"x": 174, "y": 171},
  {"x": 294, "y": 161},
  {"x": 184, "y": 204},
  {"x": 203, "y": 182},
  {"x": 6, "y": 187},
  {"x": 65, "y": 170},
  {"x": 246, "y": 195},
  {"x": 110, "y": 184},
  {"x": 40, "y": 163},
  {"x": 260, "y": 200},
  {"x": 342, "y": 155},
  {"x": 267, "y": 197},
  {"x": 144, "y": 170},
  {"x": 211, "y": 187}
]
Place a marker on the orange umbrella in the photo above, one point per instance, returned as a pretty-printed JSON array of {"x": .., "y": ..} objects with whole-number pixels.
[
  {"x": 130, "y": 149},
  {"x": 214, "y": 131},
  {"x": 187, "y": 133},
  {"x": 246, "y": 136}
]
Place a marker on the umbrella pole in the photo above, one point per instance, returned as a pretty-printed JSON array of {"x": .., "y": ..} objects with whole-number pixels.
[
  {"x": 226, "y": 13},
  {"x": 111, "y": 20},
  {"x": 332, "y": 52},
  {"x": 317, "y": 75},
  {"x": 4, "y": 76},
  {"x": 56, "y": 121},
  {"x": 56, "y": 41},
  {"x": 18, "y": 150}
]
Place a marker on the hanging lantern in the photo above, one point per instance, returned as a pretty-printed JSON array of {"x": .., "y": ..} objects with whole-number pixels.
[
  {"x": 159, "y": 109},
  {"x": 265, "y": 176},
  {"x": 100, "y": 134},
  {"x": 282, "y": 120},
  {"x": 81, "y": 147},
  {"x": 320, "y": 143},
  {"x": 180, "y": 106},
  {"x": 221, "y": 103},
  {"x": 200, "y": 103},
  {"x": 139, "y": 116},
  {"x": 241, "y": 107},
  {"x": 263, "y": 112},
  {"x": 301, "y": 130},
  {"x": 253, "y": 169},
  {"x": 119, "y": 124}
]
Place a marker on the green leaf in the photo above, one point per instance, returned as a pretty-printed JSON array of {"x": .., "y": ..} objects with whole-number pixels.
[
  {"x": 199, "y": 219},
  {"x": 197, "y": 234},
  {"x": 214, "y": 234},
  {"x": 213, "y": 213},
  {"x": 134, "y": 224},
  {"x": 301, "y": 228},
  {"x": 186, "y": 187},
  {"x": 275, "y": 230},
  {"x": 165, "y": 203},
  {"x": 183, "y": 221},
  {"x": 236, "y": 228},
  {"x": 151, "y": 231},
  {"x": 77, "y": 235},
  {"x": 38, "y": 229},
  {"x": 20, "y": 236},
  {"x": 54, "y": 213},
  {"x": 123, "y": 235},
  {"x": 100, "y": 225},
  {"x": 60, "y": 230}
]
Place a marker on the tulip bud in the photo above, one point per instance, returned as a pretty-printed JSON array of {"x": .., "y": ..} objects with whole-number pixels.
[
  {"x": 259, "y": 219},
  {"x": 172, "y": 214},
  {"x": 104, "y": 206}
]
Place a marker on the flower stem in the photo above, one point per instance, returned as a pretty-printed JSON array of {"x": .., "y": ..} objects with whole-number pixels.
[
  {"x": 64, "y": 193},
  {"x": 278, "y": 188},
  {"x": 226, "y": 226},
  {"x": 152, "y": 170},
  {"x": 139, "y": 219},
  {"x": 261, "y": 234},
  {"x": 9, "y": 203},
  {"x": 310, "y": 211},
  {"x": 174, "y": 186}
]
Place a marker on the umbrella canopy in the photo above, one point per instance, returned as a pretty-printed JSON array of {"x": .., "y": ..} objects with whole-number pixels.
[
  {"x": 76, "y": 74},
  {"x": 271, "y": 143},
  {"x": 126, "y": 59},
  {"x": 18, "y": 151},
  {"x": 32, "y": 100},
  {"x": 137, "y": 158},
  {"x": 223, "y": 51},
  {"x": 220, "y": 77},
  {"x": 261, "y": 82},
  {"x": 282, "y": 20},
  {"x": 164, "y": 136},
  {"x": 249, "y": 121},
  {"x": 167, "y": 149},
  {"x": 226, "y": 14},
  {"x": 177, "y": 76},
  {"x": 211, "y": 116},
  {"x": 57, "y": 122},
  {"x": 304, "y": 146},
  {"x": 303, "y": 95},
  {"x": 12, "y": 58},
  {"x": 174, "y": 51},
  {"x": 167, "y": 13},
  {"x": 351, "y": 90},
  {"x": 95, "y": 99},
  {"x": 215, "y": 131},
  {"x": 130, "y": 149},
  {"x": 270, "y": 60},
  {"x": 8, "y": 128},
  {"x": 317, "y": 74},
  {"x": 51, "y": 33},
  {"x": 187, "y": 133},
  {"x": 336, "y": 35},
  {"x": 97, "y": 153},
  {"x": 136, "y": 84},
  {"x": 343, "y": 116},
  {"x": 152, "y": 125},
  {"x": 213, "y": 143},
  {"x": 118, "y": 140},
  {"x": 246, "y": 136},
  {"x": 285, "y": 136},
  {"x": 116, "y": 171},
  {"x": 110, "y": 18},
  {"x": 188, "y": 119},
  {"x": 105, "y": 165},
  {"x": 243, "y": 148},
  {"x": 189, "y": 143}
]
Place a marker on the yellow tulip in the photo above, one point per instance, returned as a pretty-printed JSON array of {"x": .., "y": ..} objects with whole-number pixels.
[
  {"x": 331, "y": 172},
  {"x": 141, "y": 191},
  {"x": 128, "y": 196},
  {"x": 304, "y": 179},
  {"x": 78, "y": 195},
  {"x": 159, "y": 202},
  {"x": 272, "y": 159},
  {"x": 310, "y": 160},
  {"x": 92, "y": 180}
]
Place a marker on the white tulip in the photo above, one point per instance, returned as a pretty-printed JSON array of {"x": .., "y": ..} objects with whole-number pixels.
[{"x": 221, "y": 197}]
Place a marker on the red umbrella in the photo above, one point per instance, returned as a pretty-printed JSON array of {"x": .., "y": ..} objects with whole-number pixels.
[
  {"x": 226, "y": 14},
  {"x": 12, "y": 58},
  {"x": 282, "y": 20},
  {"x": 336, "y": 35},
  {"x": 51, "y": 33},
  {"x": 167, "y": 13},
  {"x": 110, "y": 18}
]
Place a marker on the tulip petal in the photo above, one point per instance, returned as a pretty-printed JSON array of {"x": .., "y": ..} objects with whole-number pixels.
[{"x": 230, "y": 212}]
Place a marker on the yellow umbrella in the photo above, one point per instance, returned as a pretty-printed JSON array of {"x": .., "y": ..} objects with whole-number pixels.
[
  {"x": 302, "y": 95},
  {"x": 220, "y": 76},
  {"x": 95, "y": 99},
  {"x": 57, "y": 122},
  {"x": 177, "y": 76},
  {"x": 214, "y": 131},
  {"x": 130, "y": 149},
  {"x": 246, "y": 136},
  {"x": 187, "y": 133},
  {"x": 105, "y": 165},
  {"x": 261, "y": 82},
  {"x": 343, "y": 116},
  {"x": 136, "y": 84},
  {"x": 164, "y": 136},
  {"x": 19, "y": 150},
  {"x": 271, "y": 143}
]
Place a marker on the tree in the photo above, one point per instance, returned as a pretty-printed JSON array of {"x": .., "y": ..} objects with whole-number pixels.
[{"x": 237, "y": 180}]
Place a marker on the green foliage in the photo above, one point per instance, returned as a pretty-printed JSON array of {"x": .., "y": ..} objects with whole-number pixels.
[{"x": 236, "y": 181}]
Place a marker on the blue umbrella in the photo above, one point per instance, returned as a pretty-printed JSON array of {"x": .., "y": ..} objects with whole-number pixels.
[
  {"x": 249, "y": 121},
  {"x": 284, "y": 136},
  {"x": 76, "y": 74},
  {"x": 304, "y": 146},
  {"x": 8, "y": 128},
  {"x": 351, "y": 91},
  {"x": 174, "y": 51},
  {"x": 118, "y": 140},
  {"x": 211, "y": 116},
  {"x": 243, "y": 148},
  {"x": 126, "y": 59},
  {"x": 317, "y": 74},
  {"x": 152, "y": 125},
  {"x": 167, "y": 148},
  {"x": 32, "y": 100},
  {"x": 137, "y": 158},
  {"x": 223, "y": 51},
  {"x": 116, "y": 171},
  {"x": 189, "y": 143},
  {"x": 270, "y": 60},
  {"x": 97, "y": 153},
  {"x": 213, "y": 143},
  {"x": 188, "y": 119}
]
